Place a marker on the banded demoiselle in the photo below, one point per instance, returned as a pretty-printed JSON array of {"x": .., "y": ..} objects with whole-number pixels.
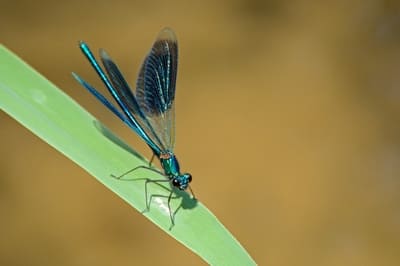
[{"x": 150, "y": 111}]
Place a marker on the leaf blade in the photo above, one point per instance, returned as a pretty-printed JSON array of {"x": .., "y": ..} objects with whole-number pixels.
[{"x": 57, "y": 119}]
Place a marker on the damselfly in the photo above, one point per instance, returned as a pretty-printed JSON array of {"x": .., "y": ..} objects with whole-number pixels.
[{"x": 150, "y": 110}]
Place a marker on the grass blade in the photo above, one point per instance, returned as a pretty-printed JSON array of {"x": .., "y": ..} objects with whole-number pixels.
[{"x": 57, "y": 119}]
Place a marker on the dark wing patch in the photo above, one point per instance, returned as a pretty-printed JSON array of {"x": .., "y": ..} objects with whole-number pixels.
[{"x": 156, "y": 83}]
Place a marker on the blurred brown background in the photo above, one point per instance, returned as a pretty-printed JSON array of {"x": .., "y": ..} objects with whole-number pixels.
[{"x": 287, "y": 117}]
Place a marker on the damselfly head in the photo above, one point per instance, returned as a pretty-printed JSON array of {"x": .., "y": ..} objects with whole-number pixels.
[{"x": 182, "y": 181}]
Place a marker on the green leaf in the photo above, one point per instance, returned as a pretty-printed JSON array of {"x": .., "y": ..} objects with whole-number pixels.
[{"x": 57, "y": 119}]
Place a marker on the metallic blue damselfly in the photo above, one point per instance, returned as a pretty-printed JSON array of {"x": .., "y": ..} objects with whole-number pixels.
[{"x": 150, "y": 110}]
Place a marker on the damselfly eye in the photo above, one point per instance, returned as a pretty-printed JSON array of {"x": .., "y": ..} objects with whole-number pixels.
[{"x": 175, "y": 182}]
